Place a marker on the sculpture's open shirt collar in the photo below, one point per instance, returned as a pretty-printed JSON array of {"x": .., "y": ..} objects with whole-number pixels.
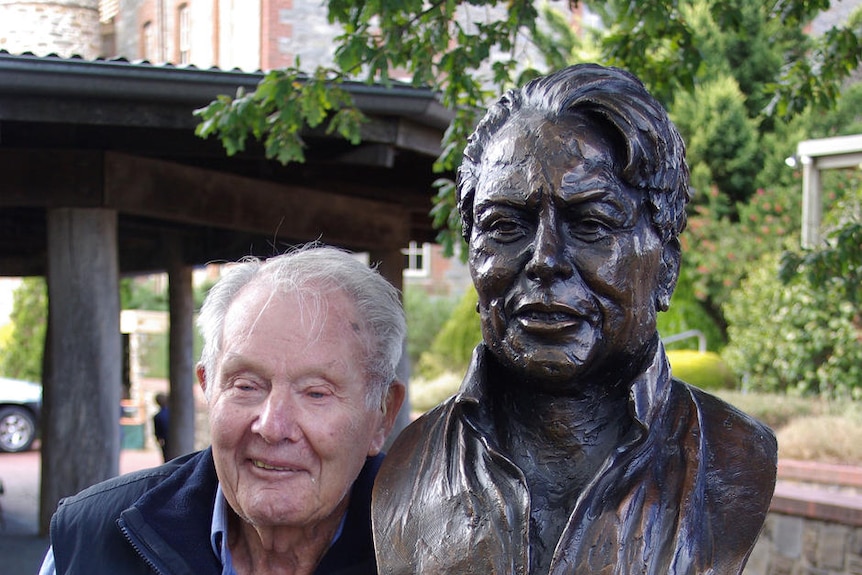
[{"x": 648, "y": 392}]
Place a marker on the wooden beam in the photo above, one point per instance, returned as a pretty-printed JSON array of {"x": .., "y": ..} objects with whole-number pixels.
[
  {"x": 170, "y": 191},
  {"x": 50, "y": 178},
  {"x": 403, "y": 134}
]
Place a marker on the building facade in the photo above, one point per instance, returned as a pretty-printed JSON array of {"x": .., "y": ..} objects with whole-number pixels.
[
  {"x": 62, "y": 27},
  {"x": 228, "y": 34}
]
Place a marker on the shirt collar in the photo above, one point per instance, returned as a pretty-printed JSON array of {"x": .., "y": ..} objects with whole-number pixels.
[
  {"x": 218, "y": 532},
  {"x": 648, "y": 391}
]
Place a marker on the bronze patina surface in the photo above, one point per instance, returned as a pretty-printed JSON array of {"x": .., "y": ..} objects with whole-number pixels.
[{"x": 570, "y": 448}]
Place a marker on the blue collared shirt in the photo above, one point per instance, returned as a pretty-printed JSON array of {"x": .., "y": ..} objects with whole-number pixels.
[{"x": 218, "y": 533}]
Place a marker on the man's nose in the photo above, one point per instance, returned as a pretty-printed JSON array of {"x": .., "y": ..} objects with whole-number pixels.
[
  {"x": 549, "y": 260},
  {"x": 279, "y": 418}
]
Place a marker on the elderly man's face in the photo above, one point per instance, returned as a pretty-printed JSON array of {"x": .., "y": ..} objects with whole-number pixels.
[
  {"x": 563, "y": 254},
  {"x": 289, "y": 420}
]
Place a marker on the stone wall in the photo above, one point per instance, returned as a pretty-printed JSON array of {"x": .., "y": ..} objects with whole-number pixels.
[
  {"x": 814, "y": 526},
  {"x": 63, "y": 27}
]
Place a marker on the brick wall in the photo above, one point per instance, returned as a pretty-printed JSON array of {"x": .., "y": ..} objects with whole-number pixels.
[
  {"x": 276, "y": 33},
  {"x": 63, "y": 27}
]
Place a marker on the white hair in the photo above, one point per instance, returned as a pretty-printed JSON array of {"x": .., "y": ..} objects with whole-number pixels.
[{"x": 314, "y": 270}]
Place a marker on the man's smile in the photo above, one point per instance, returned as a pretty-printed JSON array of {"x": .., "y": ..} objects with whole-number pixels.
[{"x": 273, "y": 467}]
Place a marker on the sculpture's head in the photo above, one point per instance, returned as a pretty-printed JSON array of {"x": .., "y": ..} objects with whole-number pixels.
[{"x": 572, "y": 194}]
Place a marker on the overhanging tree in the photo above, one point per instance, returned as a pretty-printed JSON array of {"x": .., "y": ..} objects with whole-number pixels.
[{"x": 447, "y": 45}]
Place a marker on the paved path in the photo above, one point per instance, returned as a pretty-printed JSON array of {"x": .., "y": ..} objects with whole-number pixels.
[{"x": 21, "y": 548}]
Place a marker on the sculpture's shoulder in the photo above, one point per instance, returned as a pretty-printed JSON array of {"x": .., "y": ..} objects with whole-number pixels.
[
  {"x": 418, "y": 447},
  {"x": 742, "y": 453},
  {"x": 719, "y": 418}
]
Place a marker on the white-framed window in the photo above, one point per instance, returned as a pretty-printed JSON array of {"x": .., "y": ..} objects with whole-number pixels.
[
  {"x": 184, "y": 24},
  {"x": 417, "y": 260},
  {"x": 108, "y": 9}
]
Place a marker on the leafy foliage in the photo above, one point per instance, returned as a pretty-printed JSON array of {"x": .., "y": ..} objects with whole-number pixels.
[
  {"x": 722, "y": 142},
  {"x": 815, "y": 79},
  {"x": 283, "y": 105},
  {"x": 142, "y": 293},
  {"x": 21, "y": 354},
  {"x": 719, "y": 253},
  {"x": 797, "y": 338},
  {"x": 426, "y": 315},
  {"x": 839, "y": 263},
  {"x": 688, "y": 313},
  {"x": 453, "y": 346},
  {"x": 470, "y": 50},
  {"x": 560, "y": 44},
  {"x": 722, "y": 239}
]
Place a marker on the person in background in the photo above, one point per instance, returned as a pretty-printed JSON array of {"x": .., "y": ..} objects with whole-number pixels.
[
  {"x": 160, "y": 423},
  {"x": 298, "y": 370}
]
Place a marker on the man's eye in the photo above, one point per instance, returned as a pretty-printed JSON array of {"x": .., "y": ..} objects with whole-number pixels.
[
  {"x": 317, "y": 393},
  {"x": 244, "y": 385}
]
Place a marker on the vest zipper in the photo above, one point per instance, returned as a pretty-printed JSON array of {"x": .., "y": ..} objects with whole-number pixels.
[{"x": 139, "y": 548}]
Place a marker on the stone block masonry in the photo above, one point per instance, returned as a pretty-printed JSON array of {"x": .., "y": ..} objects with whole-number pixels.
[
  {"x": 814, "y": 526},
  {"x": 63, "y": 27}
]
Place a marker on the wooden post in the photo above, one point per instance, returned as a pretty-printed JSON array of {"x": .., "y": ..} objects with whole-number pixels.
[
  {"x": 181, "y": 427},
  {"x": 390, "y": 264},
  {"x": 81, "y": 438}
]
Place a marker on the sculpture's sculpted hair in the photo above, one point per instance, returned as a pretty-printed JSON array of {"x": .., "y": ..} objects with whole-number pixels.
[
  {"x": 654, "y": 154},
  {"x": 313, "y": 271}
]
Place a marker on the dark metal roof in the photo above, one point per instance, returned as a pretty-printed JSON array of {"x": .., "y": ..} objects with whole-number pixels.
[
  {"x": 117, "y": 134},
  {"x": 122, "y": 80}
]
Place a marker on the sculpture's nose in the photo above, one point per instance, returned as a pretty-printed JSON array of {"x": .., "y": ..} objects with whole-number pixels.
[{"x": 549, "y": 260}]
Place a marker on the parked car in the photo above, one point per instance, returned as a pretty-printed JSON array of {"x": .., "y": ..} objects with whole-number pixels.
[{"x": 20, "y": 410}]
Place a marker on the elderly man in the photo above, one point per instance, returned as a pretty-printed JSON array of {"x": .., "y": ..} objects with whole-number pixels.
[
  {"x": 298, "y": 370},
  {"x": 569, "y": 447}
]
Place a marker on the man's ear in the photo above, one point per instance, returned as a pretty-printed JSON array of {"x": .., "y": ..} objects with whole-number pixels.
[
  {"x": 202, "y": 377},
  {"x": 671, "y": 256},
  {"x": 391, "y": 406}
]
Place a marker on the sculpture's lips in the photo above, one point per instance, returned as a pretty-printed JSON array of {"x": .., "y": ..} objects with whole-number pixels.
[{"x": 548, "y": 318}]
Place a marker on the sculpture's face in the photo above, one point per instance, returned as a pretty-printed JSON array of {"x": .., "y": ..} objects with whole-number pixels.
[{"x": 563, "y": 254}]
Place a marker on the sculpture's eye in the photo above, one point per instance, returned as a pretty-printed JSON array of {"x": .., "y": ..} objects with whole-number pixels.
[
  {"x": 506, "y": 230},
  {"x": 590, "y": 229}
]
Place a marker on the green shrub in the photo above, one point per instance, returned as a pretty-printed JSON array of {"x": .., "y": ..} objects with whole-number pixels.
[
  {"x": 426, "y": 315},
  {"x": 705, "y": 370},
  {"x": 21, "y": 353},
  {"x": 720, "y": 137},
  {"x": 453, "y": 346},
  {"x": 687, "y": 313},
  {"x": 793, "y": 338}
]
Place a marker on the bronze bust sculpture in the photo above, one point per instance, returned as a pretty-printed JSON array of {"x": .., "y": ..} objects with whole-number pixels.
[{"x": 569, "y": 447}]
